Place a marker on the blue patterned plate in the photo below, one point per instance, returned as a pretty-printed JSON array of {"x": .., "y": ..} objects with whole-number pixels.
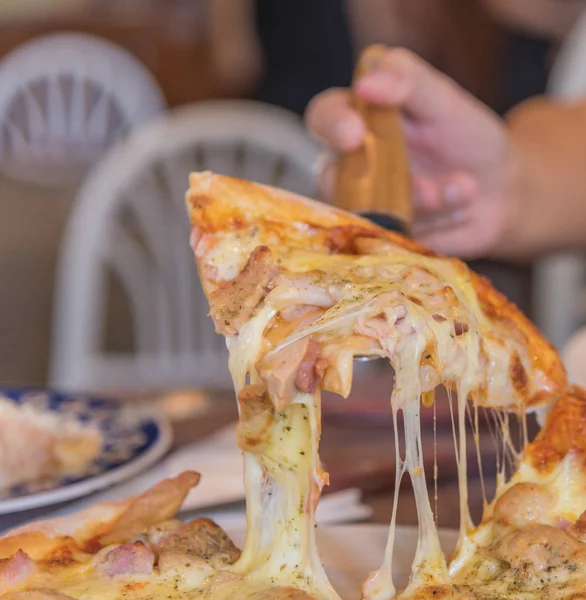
[{"x": 133, "y": 440}]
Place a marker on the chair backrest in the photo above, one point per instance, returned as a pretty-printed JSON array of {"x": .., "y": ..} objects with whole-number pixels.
[
  {"x": 130, "y": 221},
  {"x": 559, "y": 289},
  {"x": 64, "y": 99}
]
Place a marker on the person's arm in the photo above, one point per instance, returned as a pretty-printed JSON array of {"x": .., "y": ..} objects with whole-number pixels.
[
  {"x": 236, "y": 49},
  {"x": 546, "y": 18},
  {"x": 548, "y": 142}
]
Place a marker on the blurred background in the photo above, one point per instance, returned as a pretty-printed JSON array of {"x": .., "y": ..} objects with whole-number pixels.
[{"x": 105, "y": 105}]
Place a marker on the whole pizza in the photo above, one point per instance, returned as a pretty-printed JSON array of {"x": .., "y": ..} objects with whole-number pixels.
[{"x": 299, "y": 290}]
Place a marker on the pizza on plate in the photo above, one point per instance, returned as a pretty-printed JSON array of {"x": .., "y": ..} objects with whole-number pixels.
[
  {"x": 35, "y": 444},
  {"x": 299, "y": 290}
]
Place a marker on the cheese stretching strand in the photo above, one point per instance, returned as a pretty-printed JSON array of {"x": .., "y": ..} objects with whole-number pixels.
[{"x": 282, "y": 474}]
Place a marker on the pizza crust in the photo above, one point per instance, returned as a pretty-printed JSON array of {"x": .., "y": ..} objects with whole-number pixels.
[{"x": 102, "y": 524}]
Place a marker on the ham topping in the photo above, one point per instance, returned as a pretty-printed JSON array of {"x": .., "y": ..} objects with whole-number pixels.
[
  {"x": 159, "y": 534},
  {"x": 128, "y": 559},
  {"x": 294, "y": 367},
  {"x": 280, "y": 370},
  {"x": 257, "y": 415},
  {"x": 16, "y": 569},
  {"x": 535, "y": 549},
  {"x": 234, "y": 301},
  {"x": 578, "y": 529},
  {"x": 194, "y": 238},
  {"x": 307, "y": 373},
  {"x": 340, "y": 239},
  {"x": 253, "y": 401}
]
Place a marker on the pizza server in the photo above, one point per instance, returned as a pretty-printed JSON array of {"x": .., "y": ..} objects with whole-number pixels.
[{"x": 374, "y": 180}]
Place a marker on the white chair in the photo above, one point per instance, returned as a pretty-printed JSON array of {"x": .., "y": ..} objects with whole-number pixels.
[
  {"x": 64, "y": 99},
  {"x": 130, "y": 221},
  {"x": 559, "y": 289}
]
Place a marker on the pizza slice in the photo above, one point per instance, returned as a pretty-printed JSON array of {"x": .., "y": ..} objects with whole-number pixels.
[
  {"x": 325, "y": 269},
  {"x": 300, "y": 289},
  {"x": 110, "y": 550}
]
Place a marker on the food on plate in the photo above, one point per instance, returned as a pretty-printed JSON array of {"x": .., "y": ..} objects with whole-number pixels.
[
  {"x": 36, "y": 444},
  {"x": 299, "y": 289}
]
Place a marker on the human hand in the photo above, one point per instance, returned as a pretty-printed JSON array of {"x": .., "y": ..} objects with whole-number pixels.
[{"x": 459, "y": 151}]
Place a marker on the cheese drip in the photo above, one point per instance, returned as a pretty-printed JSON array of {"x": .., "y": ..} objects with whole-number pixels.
[
  {"x": 282, "y": 486},
  {"x": 429, "y": 565},
  {"x": 282, "y": 482}
]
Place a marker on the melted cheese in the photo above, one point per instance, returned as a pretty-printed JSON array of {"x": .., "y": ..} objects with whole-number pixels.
[
  {"x": 408, "y": 290},
  {"x": 281, "y": 483},
  {"x": 412, "y": 279},
  {"x": 367, "y": 286}
]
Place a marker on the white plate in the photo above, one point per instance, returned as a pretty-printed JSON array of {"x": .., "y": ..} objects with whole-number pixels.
[
  {"x": 133, "y": 441},
  {"x": 350, "y": 552}
]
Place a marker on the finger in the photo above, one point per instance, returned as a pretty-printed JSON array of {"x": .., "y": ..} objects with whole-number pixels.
[
  {"x": 426, "y": 197},
  {"x": 433, "y": 197},
  {"x": 331, "y": 119},
  {"x": 403, "y": 79},
  {"x": 457, "y": 234},
  {"x": 458, "y": 190}
]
